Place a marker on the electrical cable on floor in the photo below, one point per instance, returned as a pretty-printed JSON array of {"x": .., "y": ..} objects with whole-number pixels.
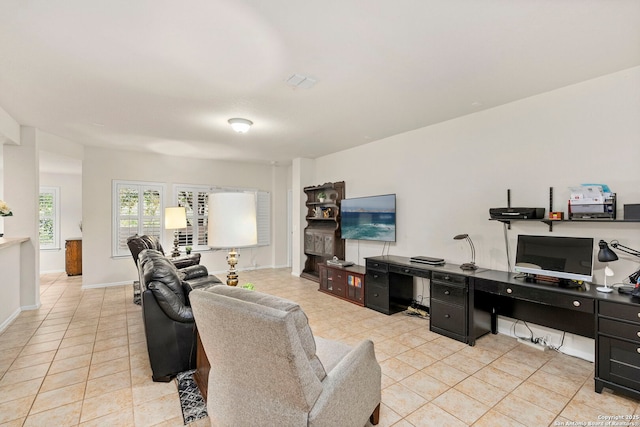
[
  {"x": 515, "y": 334},
  {"x": 561, "y": 344}
]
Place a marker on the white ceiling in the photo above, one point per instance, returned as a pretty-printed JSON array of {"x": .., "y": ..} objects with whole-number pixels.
[{"x": 165, "y": 76}]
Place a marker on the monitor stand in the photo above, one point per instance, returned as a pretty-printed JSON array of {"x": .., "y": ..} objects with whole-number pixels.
[{"x": 549, "y": 280}]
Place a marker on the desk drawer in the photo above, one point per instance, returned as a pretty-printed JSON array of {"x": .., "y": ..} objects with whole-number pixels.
[
  {"x": 630, "y": 313},
  {"x": 409, "y": 271},
  {"x": 619, "y": 361},
  {"x": 377, "y": 278},
  {"x": 627, "y": 331},
  {"x": 376, "y": 297},
  {"x": 539, "y": 296},
  {"x": 377, "y": 266},
  {"x": 449, "y": 278},
  {"x": 448, "y": 293},
  {"x": 449, "y": 317}
]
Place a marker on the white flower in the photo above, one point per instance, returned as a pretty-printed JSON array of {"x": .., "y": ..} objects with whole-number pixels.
[{"x": 5, "y": 210}]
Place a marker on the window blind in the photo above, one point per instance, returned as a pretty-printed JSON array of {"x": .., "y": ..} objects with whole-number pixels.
[{"x": 137, "y": 210}]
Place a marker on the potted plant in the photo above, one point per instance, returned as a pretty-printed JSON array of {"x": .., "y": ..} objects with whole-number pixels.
[
  {"x": 188, "y": 249},
  {"x": 322, "y": 196}
]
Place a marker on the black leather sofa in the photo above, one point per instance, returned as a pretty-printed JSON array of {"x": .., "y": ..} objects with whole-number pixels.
[
  {"x": 138, "y": 243},
  {"x": 168, "y": 320}
]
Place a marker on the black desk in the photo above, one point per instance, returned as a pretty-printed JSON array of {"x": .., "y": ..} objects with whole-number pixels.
[
  {"x": 488, "y": 293},
  {"x": 389, "y": 289},
  {"x": 547, "y": 304},
  {"x": 465, "y": 305}
]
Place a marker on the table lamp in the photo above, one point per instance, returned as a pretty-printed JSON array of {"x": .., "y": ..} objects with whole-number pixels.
[
  {"x": 232, "y": 224},
  {"x": 175, "y": 218},
  {"x": 605, "y": 254},
  {"x": 468, "y": 265}
]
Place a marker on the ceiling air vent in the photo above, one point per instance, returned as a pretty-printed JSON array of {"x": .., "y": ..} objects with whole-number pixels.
[{"x": 300, "y": 81}]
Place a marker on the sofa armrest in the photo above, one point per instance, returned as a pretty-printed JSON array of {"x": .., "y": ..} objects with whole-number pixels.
[
  {"x": 169, "y": 302},
  {"x": 202, "y": 282},
  {"x": 183, "y": 261},
  {"x": 351, "y": 391},
  {"x": 193, "y": 272}
]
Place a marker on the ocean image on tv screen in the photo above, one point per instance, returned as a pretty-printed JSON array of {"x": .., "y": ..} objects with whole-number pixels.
[{"x": 369, "y": 218}]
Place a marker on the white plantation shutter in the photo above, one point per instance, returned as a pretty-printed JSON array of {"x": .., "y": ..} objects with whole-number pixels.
[
  {"x": 264, "y": 218},
  {"x": 138, "y": 209},
  {"x": 195, "y": 200},
  {"x": 49, "y": 206}
]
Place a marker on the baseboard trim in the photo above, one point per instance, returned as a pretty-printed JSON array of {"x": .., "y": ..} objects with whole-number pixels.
[
  {"x": 9, "y": 320},
  {"x": 107, "y": 285}
]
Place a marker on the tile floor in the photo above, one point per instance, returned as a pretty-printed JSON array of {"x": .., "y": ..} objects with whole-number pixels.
[{"x": 81, "y": 360}]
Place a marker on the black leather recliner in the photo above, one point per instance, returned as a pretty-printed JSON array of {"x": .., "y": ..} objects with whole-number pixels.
[
  {"x": 138, "y": 243},
  {"x": 168, "y": 320}
]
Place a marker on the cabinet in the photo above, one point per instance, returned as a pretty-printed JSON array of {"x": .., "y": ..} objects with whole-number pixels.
[
  {"x": 203, "y": 367},
  {"x": 343, "y": 282},
  {"x": 73, "y": 257},
  {"x": 322, "y": 236},
  {"x": 618, "y": 346},
  {"x": 382, "y": 295},
  {"x": 449, "y": 305}
]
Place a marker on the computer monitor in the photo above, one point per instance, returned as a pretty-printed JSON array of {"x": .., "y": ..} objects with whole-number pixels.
[{"x": 559, "y": 257}]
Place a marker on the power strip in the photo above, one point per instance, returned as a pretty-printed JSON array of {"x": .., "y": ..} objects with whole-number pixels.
[{"x": 532, "y": 344}]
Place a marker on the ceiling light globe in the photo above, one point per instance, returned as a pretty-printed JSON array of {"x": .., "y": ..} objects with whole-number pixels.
[{"x": 240, "y": 125}]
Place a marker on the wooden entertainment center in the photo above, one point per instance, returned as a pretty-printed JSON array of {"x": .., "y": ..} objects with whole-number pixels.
[{"x": 465, "y": 305}]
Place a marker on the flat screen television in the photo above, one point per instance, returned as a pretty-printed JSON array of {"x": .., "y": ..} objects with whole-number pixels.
[
  {"x": 369, "y": 218},
  {"x": 560, "y": 257}
]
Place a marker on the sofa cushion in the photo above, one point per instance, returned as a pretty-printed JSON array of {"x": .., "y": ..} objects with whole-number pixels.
[{"x": 300, "y": 319}]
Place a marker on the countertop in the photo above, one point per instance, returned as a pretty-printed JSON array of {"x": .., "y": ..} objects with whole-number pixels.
[{"x": 5, "y": 242}]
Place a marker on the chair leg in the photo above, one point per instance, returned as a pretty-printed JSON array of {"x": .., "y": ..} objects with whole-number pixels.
[{"x": 375, "y": 416}]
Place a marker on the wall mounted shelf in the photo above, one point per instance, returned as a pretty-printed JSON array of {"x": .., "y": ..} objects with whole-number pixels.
[{"x": 550, "y": 222}]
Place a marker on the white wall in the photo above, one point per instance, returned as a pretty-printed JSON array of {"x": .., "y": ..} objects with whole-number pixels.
[
  {"x": 101, "y": 166},
  {"x": 21, "y": 193},
  {"x": 447, "y": 176},
  {"x": 10, "y": 290},
  {"x": 70, "y": 186},
  {"x": 9, "y": 134}
]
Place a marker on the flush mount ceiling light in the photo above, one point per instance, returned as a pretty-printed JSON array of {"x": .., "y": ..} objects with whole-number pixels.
[{"x": 240, "y": 125}]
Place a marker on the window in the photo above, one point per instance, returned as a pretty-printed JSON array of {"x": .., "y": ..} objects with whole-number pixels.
[
  {"x": 137, "y": 210},
  {"x": 49, "y": 232},
  {"x": 196, "y": 198}
]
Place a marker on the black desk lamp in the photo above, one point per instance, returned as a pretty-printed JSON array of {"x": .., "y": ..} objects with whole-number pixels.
[
  {"x": 605, "y": 254},
  {"x": 468, "y": 265}
]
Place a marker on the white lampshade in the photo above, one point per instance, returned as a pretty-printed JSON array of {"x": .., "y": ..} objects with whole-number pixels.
[
  {"x": 232, "y": 220},
  {"x": 175, "y": 217}
]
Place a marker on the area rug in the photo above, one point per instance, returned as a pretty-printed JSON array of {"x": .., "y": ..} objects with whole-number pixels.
[
  {"x": 136, "y": 292},
  {"x": 193, "y": 405}
]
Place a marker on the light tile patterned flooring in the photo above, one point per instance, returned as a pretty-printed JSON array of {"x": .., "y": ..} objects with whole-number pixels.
[{"x": 81, "y": 360}]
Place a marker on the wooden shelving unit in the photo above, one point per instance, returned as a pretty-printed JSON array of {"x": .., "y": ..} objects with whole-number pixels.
[{"x": 322, "y": 236}]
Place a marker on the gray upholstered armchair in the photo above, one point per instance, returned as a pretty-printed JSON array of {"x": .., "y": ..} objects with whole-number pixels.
[{"x": 267, "y": 368}]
